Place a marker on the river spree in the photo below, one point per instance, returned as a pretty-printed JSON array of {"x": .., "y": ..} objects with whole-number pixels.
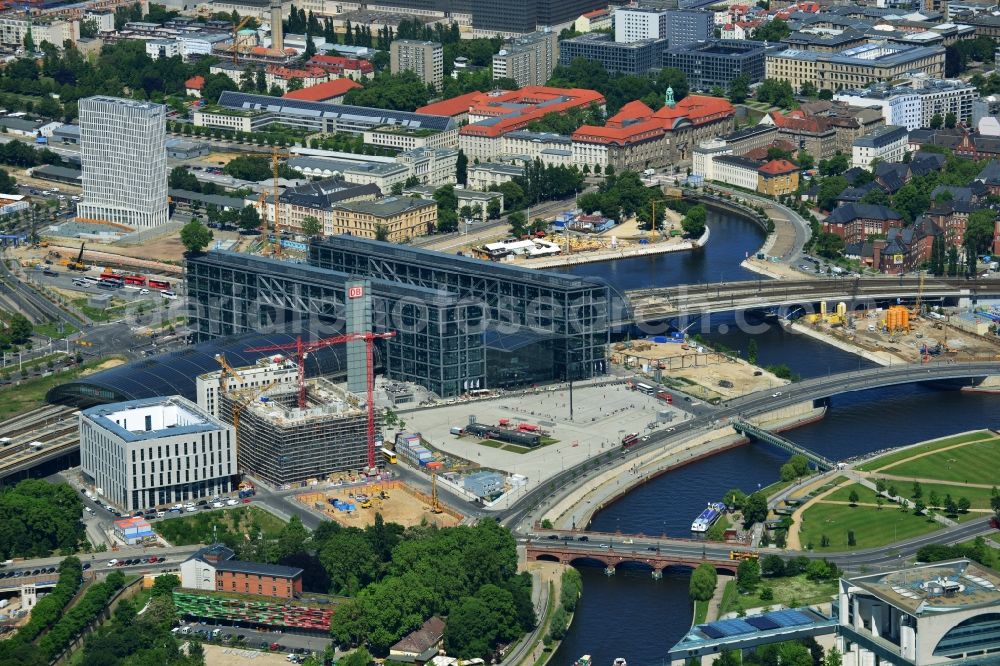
[{"x": 632, "y": 616}]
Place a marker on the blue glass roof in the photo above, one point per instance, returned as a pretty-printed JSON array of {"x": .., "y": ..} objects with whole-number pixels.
[{"x": 174, "y": 373}]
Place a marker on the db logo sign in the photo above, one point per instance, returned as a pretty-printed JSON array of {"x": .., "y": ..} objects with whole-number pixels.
[{"x": 355, "y": 292}]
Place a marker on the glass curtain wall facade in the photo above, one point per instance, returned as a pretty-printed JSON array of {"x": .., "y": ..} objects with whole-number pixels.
[
  {"x": 570, "y": 312},
  {"x": 438, "y": 342}
]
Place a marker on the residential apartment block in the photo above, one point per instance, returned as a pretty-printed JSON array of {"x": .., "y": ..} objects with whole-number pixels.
[
  {"x": 151, "y": 452},
  {"x": 528, "y": 60},
  {"x": 915, "y": 103},
  {"x": 13, "y": 30},
  {"x": 425, "y": 59},
  {"x": 124, "y": 161}
]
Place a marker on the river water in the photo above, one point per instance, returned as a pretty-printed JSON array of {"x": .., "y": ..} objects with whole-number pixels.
[{"x": 629, "y": 615}]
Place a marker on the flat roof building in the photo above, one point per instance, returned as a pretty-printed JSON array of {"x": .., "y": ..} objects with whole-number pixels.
[
  {"x": 423, "y": 58},
  {"x": 717, "y": 62},
  {"x": 528, "y": 60},
  {"x": 635, "y": 57},
  {"x": 124, "y": 159},
  {"x": 447, "y": 310},
  {"x": 863, "y": 65},
  {"x": 282, "y": 442},
  {"x": 146, "y": 453}
]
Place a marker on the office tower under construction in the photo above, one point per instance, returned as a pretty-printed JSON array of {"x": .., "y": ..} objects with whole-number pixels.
[{"x": 281, "y": 443}]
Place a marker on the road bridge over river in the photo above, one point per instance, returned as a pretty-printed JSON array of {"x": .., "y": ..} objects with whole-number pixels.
[
  {"x": 650, "y": 305},
  {"x": 532, "y": 506}
]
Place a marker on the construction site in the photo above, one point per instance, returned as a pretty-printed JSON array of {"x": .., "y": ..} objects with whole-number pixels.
[
  {"x": 692, "y": 368},
  {"x": 356, "y": 506},
  {"x": 283, "y": 440},
  {"x": 908, "y": 334}
]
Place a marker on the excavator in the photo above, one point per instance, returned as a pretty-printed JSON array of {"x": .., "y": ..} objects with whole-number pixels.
[{"x": 78, "y": 264}]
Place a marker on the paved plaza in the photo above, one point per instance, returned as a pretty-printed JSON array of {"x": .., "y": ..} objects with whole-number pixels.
[{"x": 602, "y": 415}]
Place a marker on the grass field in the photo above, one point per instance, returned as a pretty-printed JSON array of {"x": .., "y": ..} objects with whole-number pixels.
[
  {"x": 865, "y": 495},
  {"x": 791, "y": 592},
  {"x": 30, "y": 394},
  {"x": 980, "y": 497},
  {"x": 872, "y": 527},
  {"x": 212, "y": 526},
  {"x": 891, "y": 458},
  {"x": 972, "y": 463}
]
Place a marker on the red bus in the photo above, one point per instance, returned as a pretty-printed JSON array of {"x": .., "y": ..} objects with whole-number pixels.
[
  {"x": 111, "y": 275},
  {"x": 158, "y": 284},
  {"x": 630, "y": 439},
  {"x": 663, "y": 395},
  {"x": 136, "y": 280}
]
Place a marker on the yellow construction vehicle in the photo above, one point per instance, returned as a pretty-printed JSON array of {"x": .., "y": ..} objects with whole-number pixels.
[
  {"x": 78, "y": 264},
  {"x": 920, "y": 295}
]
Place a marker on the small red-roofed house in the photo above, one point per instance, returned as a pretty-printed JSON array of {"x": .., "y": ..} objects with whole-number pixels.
[{"x": 194, "y": 86}]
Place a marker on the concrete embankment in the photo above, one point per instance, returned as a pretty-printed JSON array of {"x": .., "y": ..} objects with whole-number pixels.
[
  {"x": 622, "y": 252},
  {"x": 880, "y": 357},
  {"x": 579, "y": 507}
]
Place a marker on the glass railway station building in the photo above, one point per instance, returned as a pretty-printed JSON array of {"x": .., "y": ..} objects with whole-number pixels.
[{"x": 460, "y": 323}]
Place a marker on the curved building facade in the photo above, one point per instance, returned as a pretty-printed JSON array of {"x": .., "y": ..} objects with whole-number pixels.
[{"x": 174, "y": 373}]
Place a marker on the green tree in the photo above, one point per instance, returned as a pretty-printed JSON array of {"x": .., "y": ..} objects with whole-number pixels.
[
  {"x": 752, "y": 352},
  {"x": 755, "y": 509},
  {"x": 518, "y": 224},
  {"x": 735, "y": 498},
  {"x": 249, "y": 219},
  {"x": 772, "y": 31},
  {"x": 748, "y": 575},
  {"x": 703, "y": 581},
  {"x": 729, "y": 658},
  {"x": 772, "y": 566},
  {"x": 182, "y": 179},
  {"x": 195, "y": 236},
  {"x": 937, "y": 121},
  {"x": 829, "y": 190},
  {"x": 311, "y": 226},
  {"x": 853, "y": 498},
  {"x": 462, "y": 169},
  {"x": 739, "y": 89},
  {"x": 964, "y": 505},
  {"x": 833, "y": 658},
  {"x": 693, "y": 222},
  {"x": 359, "y": 657}
]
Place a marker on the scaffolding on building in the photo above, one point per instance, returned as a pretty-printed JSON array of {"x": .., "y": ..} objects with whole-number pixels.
[{"x": 283, "y": 444}]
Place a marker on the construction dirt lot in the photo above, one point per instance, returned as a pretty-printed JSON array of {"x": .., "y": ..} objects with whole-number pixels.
[
  {"x": 403, "y": 505},
  {"x": 695, "y": 370},
  {"x": 220, "y": 655},
  {"x": 956, "y": 344}
]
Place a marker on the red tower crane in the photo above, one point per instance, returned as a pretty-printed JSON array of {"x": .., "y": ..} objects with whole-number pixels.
[{"x": 303, "y": 348}]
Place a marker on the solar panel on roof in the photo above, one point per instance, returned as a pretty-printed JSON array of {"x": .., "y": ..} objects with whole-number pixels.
[
  {"x": 789, "y": 618},
  {"x": 710, "y": 631},
  {"x": 734, "y": 627},
  {"x": 762, "y": 622}
]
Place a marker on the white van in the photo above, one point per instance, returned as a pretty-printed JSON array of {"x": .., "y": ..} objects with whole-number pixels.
[{"x": 168, "y": 294}]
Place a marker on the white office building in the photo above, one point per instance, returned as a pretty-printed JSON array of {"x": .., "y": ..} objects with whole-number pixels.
[
  {"x": 915, "y": 102},
  {"x": 633, "y": 25},
  {"x": 124, "y": 159},
  {"x": 942, "y": 613},
  {"x": 151, "y": 452}
]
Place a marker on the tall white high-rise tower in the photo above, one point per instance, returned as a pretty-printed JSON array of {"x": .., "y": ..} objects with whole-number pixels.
[{"x": 124, "y": 158}]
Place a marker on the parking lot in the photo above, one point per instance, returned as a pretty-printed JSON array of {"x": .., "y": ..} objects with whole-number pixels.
[{"x": 278, "y": 642}]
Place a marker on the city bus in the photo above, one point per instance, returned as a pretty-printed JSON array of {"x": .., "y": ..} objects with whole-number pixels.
[
  {"x": 158, "y": 284},
  {"x": 388, "y": 455},
  {"x": 135, "y": 280},
  {"x": 643, "y": 387},
  {"x": 630, "y": 439}
]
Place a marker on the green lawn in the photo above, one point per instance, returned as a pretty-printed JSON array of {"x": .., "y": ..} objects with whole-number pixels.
[
  {"x": 872, "y": 527},
  {"x": 198, "y": 527},
  {"x": 980, "y": 497},
  {"x": 972, "y": 463},
  {"x": 51, "y": 329},
  {"x": 30, "y": 394},
  {"x": 891, "y": 458},
  {"x": 700, "y": 612},
  {"x": 793, "y": 591},
  {"x": 865, "y": 495}
]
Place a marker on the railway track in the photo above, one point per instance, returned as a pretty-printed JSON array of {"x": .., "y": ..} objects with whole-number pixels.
[{"x": 32, "y": 420}]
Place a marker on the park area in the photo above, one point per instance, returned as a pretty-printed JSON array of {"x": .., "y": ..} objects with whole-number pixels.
[
  {"x": 826, "y": 527},
  {"x": 214, "y": 526}
]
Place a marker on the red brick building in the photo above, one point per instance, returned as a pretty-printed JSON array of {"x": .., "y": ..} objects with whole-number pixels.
[{"x": 215, "y": 568}]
